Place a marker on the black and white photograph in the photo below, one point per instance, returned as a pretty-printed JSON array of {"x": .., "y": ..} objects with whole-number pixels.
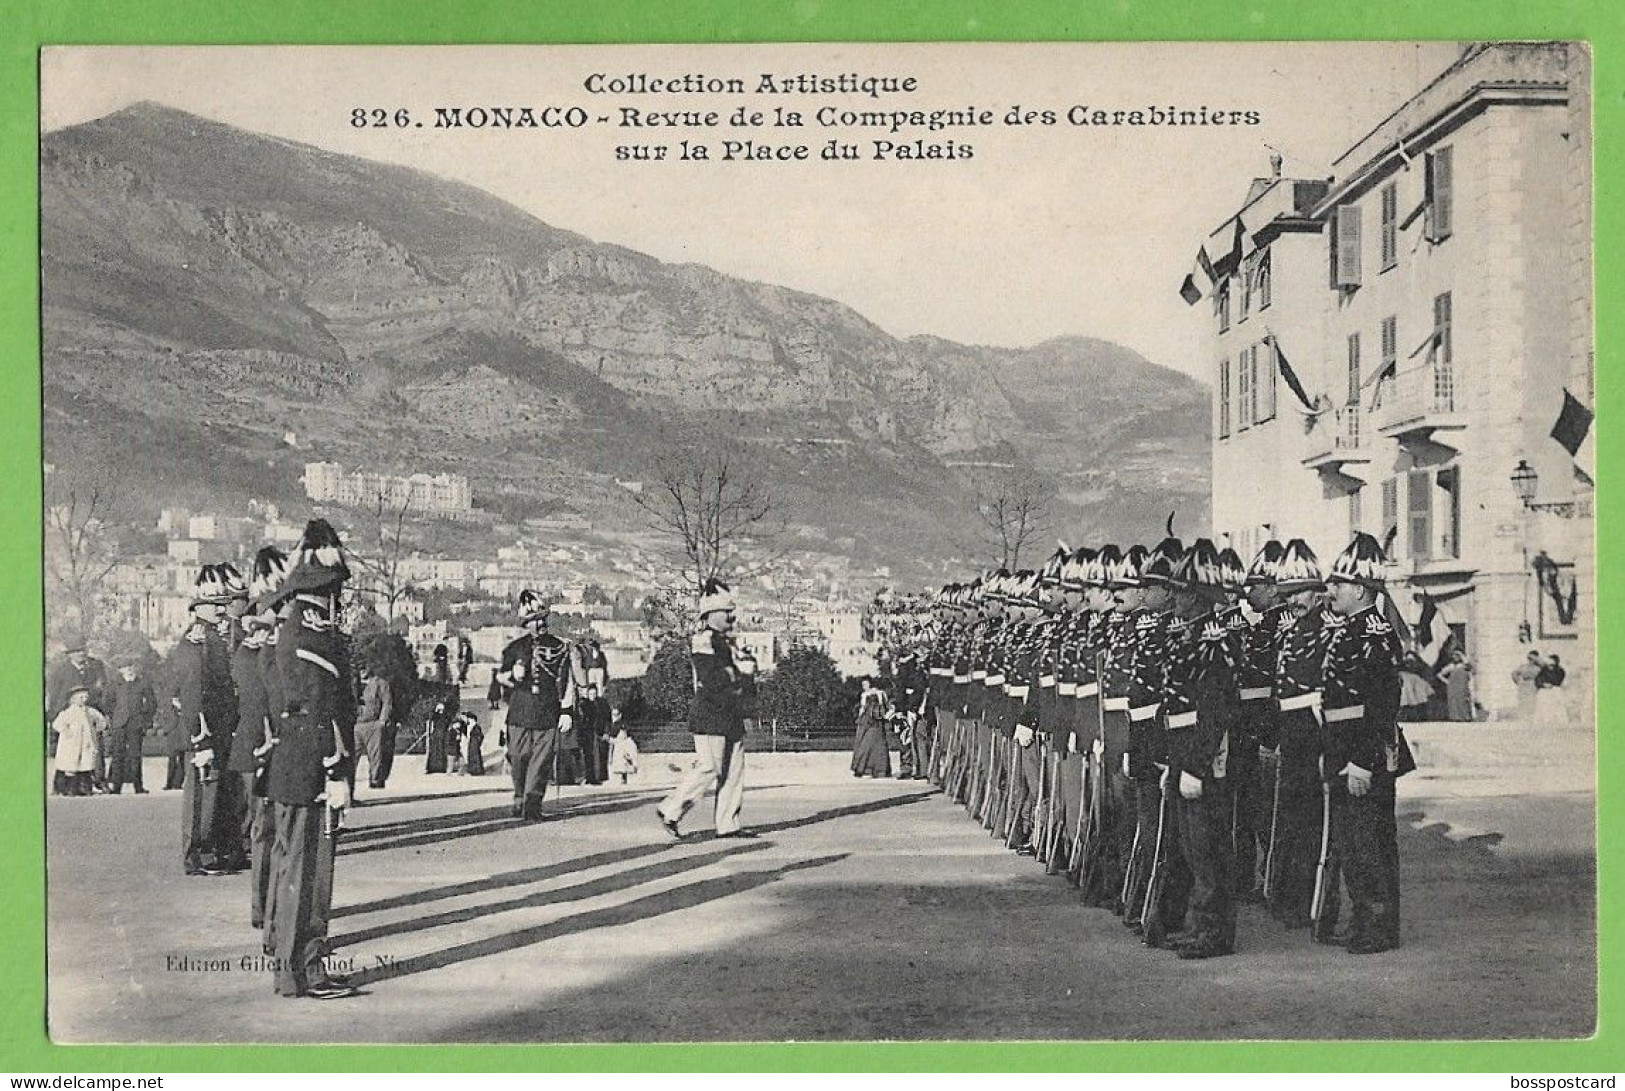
[{"x": 823, "y": 542}]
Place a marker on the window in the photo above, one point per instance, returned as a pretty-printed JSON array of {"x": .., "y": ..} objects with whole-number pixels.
[
  {"x": 1247, "y": 267},
  {"x": 1244, "y": 382},
  {"x": 1354, "y": 512},
  {"x": 1345, "y": 254},
  {"x": 1222, "y": 299},
  {"x": 1420, "y": 512},
  {"x": 1449, "y": 482},
  {"x": 1354, "y": 370},
  {"x": 1390, "y": 359},
  {"x": 1263, "y": 279},
  {"x": 1390, "y": 510},
  {"x": 1441, "y": 199},
  {"x": 1224, "y": 398},
  {"x": 1444, "y": 377},
  {"x": 1264, "y": 381},
  {"x": 1390, "y": 225}
]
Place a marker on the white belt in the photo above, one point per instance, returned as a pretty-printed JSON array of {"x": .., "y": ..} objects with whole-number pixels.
[
  {"x": 1088, "y": 689},
  {"x": 1017, "y": 691},
  {"x": 1144, "y": 712},
  {"x": 1067, "y": 689},
  {"x": 1255, "y": 693},
  {"x": 992, "y": 679},
  {"x": 978, "y": 675},
  {"x": 1182, "y": 719},
  {"x": 1352, "y": 712},
  {"x": 941, "y": 672},
  {"x": 1302, "y": 700},
  {"x": 961, "y": 679},
  {"x": 1116, "y": 704},
  {"x": 1047, "y": 681}
]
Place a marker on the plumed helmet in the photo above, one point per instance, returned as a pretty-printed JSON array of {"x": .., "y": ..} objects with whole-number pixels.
[
  {"x": 1126, "y": 572},
  {"x": 1264, "y": 565},
  {"x": 532, "y": 606},
  {"x": 1198, "y": 567},
  {"x": 1075, "y": 572},
  {"x": 1362, "y": 562},
  {"x": 1298, "y": 570},
  {"x": 269, "y": 570},
  {"x": 1232, "y": 575},
  {"x": 217, "y": 584},
  {"x": 714, "y": 596},
  {"x": 1162, "y": 561}
]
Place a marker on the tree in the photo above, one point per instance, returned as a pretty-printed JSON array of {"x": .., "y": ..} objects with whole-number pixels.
[
  {"x": 380, "y": 552},
  {"x": 1013, "y": 508},
  {"x": 81, "y": 548},
  {"x": 711, "y": 500},
  {"x": 668, "y": 684},
  {"x": 804, "y": 689}
]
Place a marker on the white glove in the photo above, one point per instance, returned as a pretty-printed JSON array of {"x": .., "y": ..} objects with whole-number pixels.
[
  {"x": 565, "y": 721},
  {"x": 1190, "y": 787},
  {"x": 1359, "y": 779},
  {"x": 1166, "y": 773},
  {"x": 338, "y": 795},
  {"x": 1125, "y": 763},
  {"x": 202, "y": 758},
  {"x": 1268, "y": 752},
  {"x": 1024, "y": 735},
  {"x": 1072, "y": 744},
  {"x": 519, "y": 671}
]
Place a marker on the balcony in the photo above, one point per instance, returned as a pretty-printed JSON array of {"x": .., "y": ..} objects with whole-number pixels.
[
  {"x": 1339, "y": 449},
  {"x": 1423, "y": 410}
]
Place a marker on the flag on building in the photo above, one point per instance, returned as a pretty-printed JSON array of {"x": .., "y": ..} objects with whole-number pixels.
[
  {"x": 1188, "y": 291},
  {"x": 1292, "y": 381},
  {"x": 1573, "y": 432}
]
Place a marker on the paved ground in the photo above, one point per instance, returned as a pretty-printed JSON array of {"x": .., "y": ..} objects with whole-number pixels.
[{"x": 868, "y": 910}]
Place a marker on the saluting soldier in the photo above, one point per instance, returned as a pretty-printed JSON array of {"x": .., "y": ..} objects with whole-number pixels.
[
  {"x": 535, "y": 672},
  {"x": 1298, "y": 820},
  {"x": 205, "y": 710},
  {"x": 1364, "y": 750},
  {"x": 311, "y": 763},
  {"x": 724, "y": 707}
]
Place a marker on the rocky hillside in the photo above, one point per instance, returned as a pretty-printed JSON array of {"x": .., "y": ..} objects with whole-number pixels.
[{"x": 205, "y": 287}]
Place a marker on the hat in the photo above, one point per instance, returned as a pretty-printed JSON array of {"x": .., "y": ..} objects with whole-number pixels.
[
  {"x": 73, "y": 642},
  {"x": 1265, "y": 564},
  {"x": 532, "y": 607},
  {"x": 265, "y": 577},
  {"x": 1298, "y": 569},
  {"x": 1075, "y": 572},
  {"x": 318, "y": 564},
  {"x": 217, "y": 584},
  {"x": 1126, "y": 572},
  {"x": 1098, "y": 572},
  {"x": 1198, "y": 567},
  {"x": 1162, "y": 561},
  {"x": 1050, "y": 574},
  {"x": 1231, "y": 574},
  {"x": 1362, "y": 562},
  {"x": 714, "y": 596}
]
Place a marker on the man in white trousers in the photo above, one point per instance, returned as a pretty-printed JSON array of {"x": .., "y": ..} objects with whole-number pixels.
[{"x": 724, "y": 703}]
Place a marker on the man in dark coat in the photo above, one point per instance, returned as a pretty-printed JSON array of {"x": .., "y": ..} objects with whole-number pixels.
[
  {"x": 134, "y": 707},
  {"x": 724, "y": 705},
  {"x": 535, "y": 673},
  {"x": 308, "y": 780},
  {"x": 252, "y": 668},
  {"x": 206, "y": 711}
]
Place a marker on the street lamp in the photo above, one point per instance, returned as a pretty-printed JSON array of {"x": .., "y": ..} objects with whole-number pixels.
[{"x": 1524, "y": 482}]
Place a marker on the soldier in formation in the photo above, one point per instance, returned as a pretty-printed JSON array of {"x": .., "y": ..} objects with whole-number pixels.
[{"x": 1176, "y": 733}]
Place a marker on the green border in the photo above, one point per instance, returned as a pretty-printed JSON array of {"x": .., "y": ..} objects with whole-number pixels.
[{"x": 25, "y": 25}]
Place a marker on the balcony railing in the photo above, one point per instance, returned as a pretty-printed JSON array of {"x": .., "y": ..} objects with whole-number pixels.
[{"x": 1424, "y": 397}]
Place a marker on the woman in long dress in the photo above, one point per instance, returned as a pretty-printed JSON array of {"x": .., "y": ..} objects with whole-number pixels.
[{"x": 870, "y": 756}]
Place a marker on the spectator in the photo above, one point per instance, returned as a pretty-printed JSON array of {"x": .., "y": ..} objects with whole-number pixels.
[
  {"x": 475, "y": 764},
  {"x": 1525, "y": 679},
  {"x": 623, "y": 750},
  {"x": 1552, "y": 674},
  {"x": 134, "y": 707},
  {"x": 78, "y": 727},
  {"x": 1457, "y": 676},
  {"x": 372, "y": 725},
  {"x": 1416, "y": 686},
  {"x": 77, "y": 669}
]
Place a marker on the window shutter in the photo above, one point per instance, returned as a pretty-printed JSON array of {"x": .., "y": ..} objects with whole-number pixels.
[
  {"x": 1265, "y": 381},
  {"x": 1421, "y": 515},
  {"x": 1244, "y": 399},
  {"x": 1348, "y": 247},
  {"x": 1390, "y": 506},
  {"x": 1390, "y": 224},
  {"x": 1354, "y": 370},
  {"x": 1224, "y": 398},
  {"x": 1443, "y": 197}
]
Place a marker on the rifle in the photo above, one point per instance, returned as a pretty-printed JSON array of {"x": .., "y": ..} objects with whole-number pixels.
[
  {"x": 1040, "y": 828},
  {"x": 1150, "y": 916},
  {"x": 1323, "y": 872},
  {"x": 1275, "y": 818}
]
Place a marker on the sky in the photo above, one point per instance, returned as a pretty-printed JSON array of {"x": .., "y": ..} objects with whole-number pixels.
[{"x": 1047, "y": 230}]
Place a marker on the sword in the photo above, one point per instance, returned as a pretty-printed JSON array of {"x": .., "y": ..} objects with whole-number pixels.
[
  {"x": 1323, "y": 876},
  {"x": 1150, "y": 916},
  {"x": 1275, "y": 816}
]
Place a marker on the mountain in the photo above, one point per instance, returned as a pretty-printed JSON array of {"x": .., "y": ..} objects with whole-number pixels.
[{"x": 204, "y": 288}]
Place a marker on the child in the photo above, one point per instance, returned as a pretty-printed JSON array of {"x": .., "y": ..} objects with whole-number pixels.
[
  {"x": 79, "y": 728},
  {"x": 623, "y": 752}
]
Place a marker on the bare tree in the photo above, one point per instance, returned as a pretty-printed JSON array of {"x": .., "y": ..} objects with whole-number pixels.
[
  {"x": 81, "y": 548},
  {"x": 1013, "y": 508},
  {"x": 714, "y": 506},
  {"x": 379, "y": 559}
]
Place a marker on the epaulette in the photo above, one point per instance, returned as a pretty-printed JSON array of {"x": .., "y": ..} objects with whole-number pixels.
[
  {"x": 1213, "y": 632},
  {"x": 1145, "y": 622},
  {"x": 1377, "y": 625}
]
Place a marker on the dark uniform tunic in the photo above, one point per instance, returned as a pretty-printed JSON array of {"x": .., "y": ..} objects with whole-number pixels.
[
  {"x": 1252, "y": 787},
  {"x": 1361, "y": 709},
  {"x": 911, "y": 697},
  {"x": 1146, "y": 758},
  {"x": 1022, "y": 693},
  {"x": 1080, "y": 741},
  {"x": 314, "y": 750},
  {"x": 1107, "y": 865},
  {"x": 205, "y": 712},
  {"x": 248, "y": 752},
  {"x": 1298, "y": 821},
  {"x": 536, "y": 668}
]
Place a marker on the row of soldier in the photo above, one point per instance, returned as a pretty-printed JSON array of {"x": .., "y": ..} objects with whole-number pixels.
[{"x": 1174, "y": 733}]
